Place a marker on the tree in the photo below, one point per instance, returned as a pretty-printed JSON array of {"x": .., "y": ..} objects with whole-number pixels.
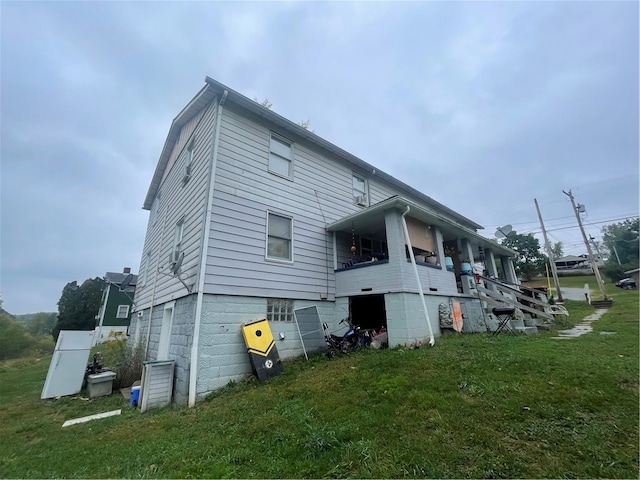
[
  {"x": 306, "y": 124},
  {"x": 623, "y": 242},
  {"x": 265, "y": 103},
  {"x": 41, "y": 323},
  {"x": 529, "y": 261},
  {"x": 14, "y": 339},
  {"x": 557, "y": 250},
  {"x": 79, "y": 305}
]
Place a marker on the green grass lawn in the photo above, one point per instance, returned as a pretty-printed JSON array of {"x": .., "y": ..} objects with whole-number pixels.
[{"x": 472, "y": 406}]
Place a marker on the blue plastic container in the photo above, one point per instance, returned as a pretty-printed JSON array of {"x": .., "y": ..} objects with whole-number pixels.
[
  {"x": 448, "y": 262},
  {"x": 134, "y": 398}
]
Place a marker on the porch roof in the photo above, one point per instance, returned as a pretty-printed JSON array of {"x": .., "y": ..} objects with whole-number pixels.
[{"x": 371, "y": 219}]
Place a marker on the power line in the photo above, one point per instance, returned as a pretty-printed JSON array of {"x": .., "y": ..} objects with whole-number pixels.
[{"x": 569, "y": 227}]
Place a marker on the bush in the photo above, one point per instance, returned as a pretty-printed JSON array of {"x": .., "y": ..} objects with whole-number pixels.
[
  {"x": 615, "y": 272},
  {"x": 125, "y": 361},
  {"x": 16, "y": 342}
]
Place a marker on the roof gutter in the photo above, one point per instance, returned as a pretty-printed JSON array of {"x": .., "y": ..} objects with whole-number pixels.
[
  {"x": 193, "y": 367},
  {"x": 432, "y": 340}
]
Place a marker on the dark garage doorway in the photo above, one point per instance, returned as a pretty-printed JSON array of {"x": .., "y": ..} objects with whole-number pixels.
[{"x": 368, "y": 311}]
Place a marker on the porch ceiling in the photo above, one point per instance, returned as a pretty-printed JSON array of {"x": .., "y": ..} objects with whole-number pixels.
[{"x": 371, "y": 220}]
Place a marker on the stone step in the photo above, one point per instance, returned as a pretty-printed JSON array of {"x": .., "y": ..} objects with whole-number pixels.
[{"x": 527, "y": 330}]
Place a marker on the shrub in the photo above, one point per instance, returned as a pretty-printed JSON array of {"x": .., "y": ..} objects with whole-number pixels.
[{"x": 125, "y": 360}]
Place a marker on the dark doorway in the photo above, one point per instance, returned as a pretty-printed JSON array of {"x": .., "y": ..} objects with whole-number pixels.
[{"x": 368, "y": 311}]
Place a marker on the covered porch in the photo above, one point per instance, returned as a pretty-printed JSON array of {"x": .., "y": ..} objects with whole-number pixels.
[
  {"x": 401, "y": 251},
  {"x": 372, "y": 245}
]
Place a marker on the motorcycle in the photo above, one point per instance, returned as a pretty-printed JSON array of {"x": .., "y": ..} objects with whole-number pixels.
[{"x": 352, "y": 339}]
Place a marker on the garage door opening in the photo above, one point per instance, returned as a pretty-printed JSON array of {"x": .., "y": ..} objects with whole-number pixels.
[{"x": 368, "y": 311}]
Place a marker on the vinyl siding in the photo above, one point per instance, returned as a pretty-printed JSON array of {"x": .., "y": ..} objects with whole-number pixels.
[
  {"x": 320, "y": 192},
  {"x": 178, "y": 200}
]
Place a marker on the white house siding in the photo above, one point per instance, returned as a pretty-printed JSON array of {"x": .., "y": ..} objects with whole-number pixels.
[
  {"x": 177, "y": 200},
  {"x": 183, "y": 138},
  {"x": 222, "y": 355},
  {"x": 320, "y": 193}
]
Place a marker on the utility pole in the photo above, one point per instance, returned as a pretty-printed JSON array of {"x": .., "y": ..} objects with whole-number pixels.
[
  {"x": 615, "y": 250},
  {"x": 595, "y": 245},
  {"x": 552, "y": 262},
  {"x": 586, "y": 242}
]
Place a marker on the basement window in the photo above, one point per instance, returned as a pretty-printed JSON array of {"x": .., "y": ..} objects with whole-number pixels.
[{"x": 279, "y": 310}]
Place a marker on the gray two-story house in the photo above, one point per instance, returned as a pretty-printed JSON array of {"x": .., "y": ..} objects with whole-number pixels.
[{"x": 253, "y": 217}]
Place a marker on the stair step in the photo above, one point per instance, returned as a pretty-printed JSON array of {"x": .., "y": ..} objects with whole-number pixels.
[{"x": 527, "y": 330}]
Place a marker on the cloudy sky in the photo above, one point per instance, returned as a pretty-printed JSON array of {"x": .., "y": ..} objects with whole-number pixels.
[{"x": 483, "y": 106}]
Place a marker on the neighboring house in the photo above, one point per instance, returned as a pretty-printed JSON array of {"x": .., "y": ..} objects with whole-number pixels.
[
  {"x": 253, "y": 217},
  {"x": 113, "y": 318},
  {"x": 577, "y": 262}
]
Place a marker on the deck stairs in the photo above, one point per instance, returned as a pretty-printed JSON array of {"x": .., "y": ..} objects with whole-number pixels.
[{"x": 533, "y": 308}]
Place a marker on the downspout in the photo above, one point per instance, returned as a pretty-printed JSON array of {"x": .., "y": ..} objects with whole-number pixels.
[
  {"x": 432, "y": 340},
  {"x": 193, "y": 367}
]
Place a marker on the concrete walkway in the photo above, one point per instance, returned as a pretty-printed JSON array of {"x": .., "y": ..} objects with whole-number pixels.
[
  {"x": 572, "y": 293},
  {"x": 583, "y": 327}
]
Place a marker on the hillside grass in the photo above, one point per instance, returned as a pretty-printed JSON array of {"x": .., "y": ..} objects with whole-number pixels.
[{"x": 472, "y": 406}]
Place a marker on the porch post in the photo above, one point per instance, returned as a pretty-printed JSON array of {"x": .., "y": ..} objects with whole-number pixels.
[
  {"x": 467, "y": 251},
  {"x": 509, "y": 272},
  {"x": 439, "y": 244},
  {"x": 335, "y": 252},
  {"x": 395, "y": 237},
  {"x": 490, "y": 262}
]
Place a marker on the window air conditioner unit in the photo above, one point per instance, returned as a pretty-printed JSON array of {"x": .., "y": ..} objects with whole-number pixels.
[
  {"x": 361, "y": 200},
  {"x": 187, "y": 173},
  {"x": 173, "y": 258}
]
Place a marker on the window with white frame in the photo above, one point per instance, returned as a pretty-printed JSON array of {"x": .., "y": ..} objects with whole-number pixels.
[
  {"x": 177, "y": 239},
  {"x": 280, "y": 156},
  {"x": 123, "y": 311},
  {"x": 279, "y": 237},
  {"x": 279, "y": 310},
  {"x": 155, "y": 209},
  {"x": 188, "y": 161},
  {"x": 360, "y": 191},
  {"x": 144, "y": 268}
]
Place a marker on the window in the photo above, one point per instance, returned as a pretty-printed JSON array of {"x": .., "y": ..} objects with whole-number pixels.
[
  {"x": 280, "y": 156},
  {"x": 155, "y": 209},
  {"x": 123, "y": 311},
  {"x": 279, "y": 310},
  {"x": 177, "y": 237},
  {"x": 144, "y": 268},
  {"x": 360, "y": 191},
  {"x": 279, "y": 237},
  {"x": 188, "y": 160},
  {"x": 373, "y": 247}
]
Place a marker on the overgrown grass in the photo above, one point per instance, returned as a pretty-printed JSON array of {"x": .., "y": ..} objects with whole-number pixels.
[{"x": 473, "y": 406}]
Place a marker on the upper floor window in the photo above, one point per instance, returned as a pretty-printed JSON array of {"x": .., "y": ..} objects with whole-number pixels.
[
  {"x": 360, "y": 191},
  {"x": 279, "y": 237},
  {"x": 144, "y": 267},
  {"x": 123, "y": 311},
  {"x": 188, "y": 162},
  {"x": 177, "y": 239},
  {"x": 280, "y": 156},
  {"x": 155, "y": 210}
]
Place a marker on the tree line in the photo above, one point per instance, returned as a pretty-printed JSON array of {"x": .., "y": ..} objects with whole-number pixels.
[{"x": 620, "y": 245}]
